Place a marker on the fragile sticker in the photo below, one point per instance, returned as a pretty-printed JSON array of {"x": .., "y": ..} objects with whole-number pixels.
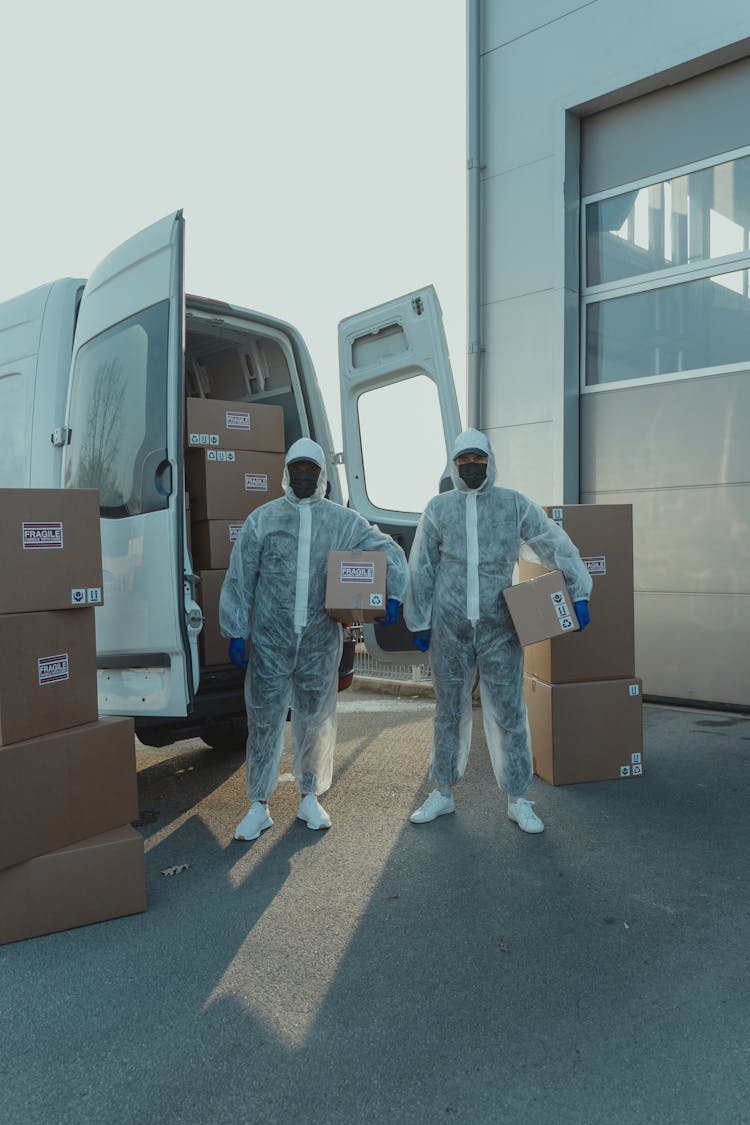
[
  {"x": 376, "y": 601},
  {"x": 255, "y": 482},
  {"x": 78, "y": 596},
  {"x": 203, "y": 439},
  {"x": 237, "y": 420},
  {"x": 37, "y": 536},
  {"x": 53, "y": 669},
  {"x": 94, "y": 595},
  {"x": 358, "y": 572},
  {"x": 624, "y": 771},
  {"x": 220, "y": 455},
  {"x": 234, "y": 531},
  {"x": 595, "y": 564}
]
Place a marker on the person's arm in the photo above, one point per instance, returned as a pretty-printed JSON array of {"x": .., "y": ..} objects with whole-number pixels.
[
  {"x": 553, "y": 547},
  {"x": 238, "y": 589},
  {"x": 424, "y": 558}
]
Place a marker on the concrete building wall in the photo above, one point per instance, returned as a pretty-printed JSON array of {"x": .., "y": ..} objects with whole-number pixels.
[{"x": 577, "y": 98}]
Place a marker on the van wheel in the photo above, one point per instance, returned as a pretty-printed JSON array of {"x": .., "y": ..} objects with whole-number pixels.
[{"x": 225, "y": 739}]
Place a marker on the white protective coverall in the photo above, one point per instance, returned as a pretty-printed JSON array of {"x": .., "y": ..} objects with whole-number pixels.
[
  {"x": 274, "y": 592},
  {"x": 466, "y": 546}
]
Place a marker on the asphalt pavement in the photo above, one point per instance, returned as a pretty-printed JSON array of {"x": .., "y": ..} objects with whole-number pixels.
[{"x": 385, "y": 972}]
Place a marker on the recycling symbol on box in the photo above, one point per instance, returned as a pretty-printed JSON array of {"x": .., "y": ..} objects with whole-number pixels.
[{"x": 376, "y": 601}]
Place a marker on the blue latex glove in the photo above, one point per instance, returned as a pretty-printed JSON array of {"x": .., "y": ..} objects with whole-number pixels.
[
  {"x": 392, "y": 607},
  {"x": 238, "y": 652},
  {"x": 421, "y": 640},
  {"x": 582, "y": 613}
]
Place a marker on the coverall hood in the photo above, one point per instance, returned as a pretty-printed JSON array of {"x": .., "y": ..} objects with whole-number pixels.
[
  {"x": 305, "y": 449},
  {"x": 472, "y": 441}
]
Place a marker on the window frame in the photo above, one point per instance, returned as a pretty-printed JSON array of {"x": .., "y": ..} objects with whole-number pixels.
[{"x": 696, "y": 270}]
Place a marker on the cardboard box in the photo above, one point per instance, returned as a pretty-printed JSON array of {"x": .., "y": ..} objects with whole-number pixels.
[
  {"x": 585, "y": 732},
  {"x": 355, "y": 586},
  {"x": 47, "y": 673},
  {"x": 212, "y": 647},
  {"x": 229, "y": 484},
  {"x": 541, "y": 607},
  {"x": 221, "y": 424},
  {"x": 64, "y": 787},
  {"x": 90, "y": 881},
  {"x": 212, "y": 543},
  {"x": 50, "y": 549},
  {"x": 605, "y": 650}
]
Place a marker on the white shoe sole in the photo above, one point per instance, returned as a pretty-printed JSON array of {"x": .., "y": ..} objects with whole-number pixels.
[
  {"x": 417, "y": 818},
  {"x": 267, "y": 823},
  {"x": 315, "y": 826},
  {"x": 530, "y": 831}
]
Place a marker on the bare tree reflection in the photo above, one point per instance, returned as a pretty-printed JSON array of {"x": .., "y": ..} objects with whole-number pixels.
[{"x": 97, "y": 467}]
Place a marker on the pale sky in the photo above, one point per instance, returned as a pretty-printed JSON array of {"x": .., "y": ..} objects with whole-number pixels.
[{"x": 317, "y": 149}]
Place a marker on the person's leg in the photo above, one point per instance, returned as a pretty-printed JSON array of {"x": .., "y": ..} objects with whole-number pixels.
[
  {"x": 453, "y": 663},
  {"x": 505, "y": 721},
  {"x": 314, "y": 692},
  {"x": 268, "y": 689}
]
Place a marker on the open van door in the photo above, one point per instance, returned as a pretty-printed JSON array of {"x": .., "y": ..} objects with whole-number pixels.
[
  {"x": 399, "y": 417},
  {"x": 124, "y": 432}
]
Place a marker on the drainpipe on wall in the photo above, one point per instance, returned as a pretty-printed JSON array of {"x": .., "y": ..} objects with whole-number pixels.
[{"x": 473, "y": 265}]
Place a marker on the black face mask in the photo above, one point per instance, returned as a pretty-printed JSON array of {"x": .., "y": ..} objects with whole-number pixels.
[
  {"x": 303, "y": 481},
  {"x": 473, "y": 473}
]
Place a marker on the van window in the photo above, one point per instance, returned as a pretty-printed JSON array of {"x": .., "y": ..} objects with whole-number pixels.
[{"x": 118, "y": 414}]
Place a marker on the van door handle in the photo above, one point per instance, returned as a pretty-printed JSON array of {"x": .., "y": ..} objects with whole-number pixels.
[{"x": 163, "y": 478}]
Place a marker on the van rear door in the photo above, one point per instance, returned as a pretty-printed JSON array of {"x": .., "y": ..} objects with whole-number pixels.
[
  {"x": 399, "y": 417},
  {"x": 125, "y": 423}
]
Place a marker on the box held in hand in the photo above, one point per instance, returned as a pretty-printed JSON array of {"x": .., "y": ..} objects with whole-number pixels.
[
  {"x": 541, "y": 607},
  {"x": 93, "y": 880},
  {"x": 585, "y": 732},
  {"x": 356, "y": 586},
  {"x": 50, "y": 549},
  {"x": 47, "y": 673},
  {"x": 64, "y": 787}
]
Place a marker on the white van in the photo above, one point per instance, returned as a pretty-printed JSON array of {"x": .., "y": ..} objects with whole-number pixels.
[{"x": 93, "y": 380}]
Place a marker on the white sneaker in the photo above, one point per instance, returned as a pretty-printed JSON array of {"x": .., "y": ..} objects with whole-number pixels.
[
  {"x": 521, "y": 810},
  {"x": 436, "y": 805},
  {"x": 254, "y": 822},
  {"x": 312, "y": 812}
]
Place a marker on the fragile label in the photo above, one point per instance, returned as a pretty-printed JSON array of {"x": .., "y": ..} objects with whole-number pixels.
[
  {"x": 77, "y": 596},
  {"x": 358, "y": 572},
  {"x": 220, "y": 455},
  {"x": 562, "y": 610},
  {"x": 203, "y": 439},
  {"x": 595, "y": 564},
  {"x": 42, "y": 536},
  {"x": 256, "y": 482},
  {"x": 376, "y": 601},
  {"x": 237, "y": 420},
  {"x": 624, "y": 771},
  {"x": 234, "y": 531},
  {"x": 53, "y": 669}
]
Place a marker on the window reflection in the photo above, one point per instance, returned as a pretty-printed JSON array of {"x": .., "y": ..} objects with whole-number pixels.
[
  {"x": 689, "y": 218},
  {"x": 675, "y": 328}
]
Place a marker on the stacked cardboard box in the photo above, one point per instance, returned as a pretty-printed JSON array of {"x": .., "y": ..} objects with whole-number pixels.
[
  {"x": 68, "y": 855},
  {"x": 234, "y": 463},
  {"x": 583, "y": 698}
]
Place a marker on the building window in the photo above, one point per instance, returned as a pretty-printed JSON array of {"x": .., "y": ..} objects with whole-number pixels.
[{"x": 666, "y": 267}]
